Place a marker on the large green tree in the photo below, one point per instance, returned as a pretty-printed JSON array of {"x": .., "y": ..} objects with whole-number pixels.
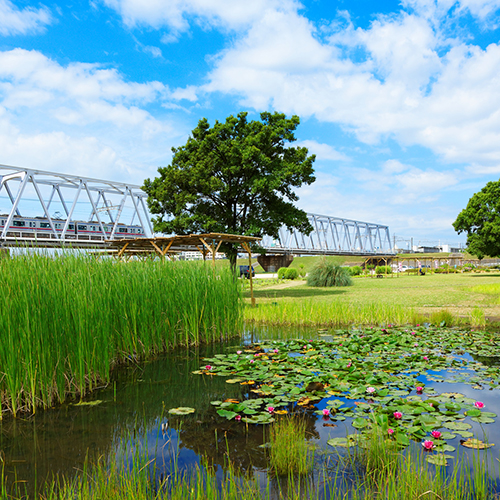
[
  {"x": 481, "y": 220},
  {"x": 235, "y": 177}
]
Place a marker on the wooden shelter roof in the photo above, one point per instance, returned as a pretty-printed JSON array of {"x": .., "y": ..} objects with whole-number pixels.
[{"x": 164, "y": 245}]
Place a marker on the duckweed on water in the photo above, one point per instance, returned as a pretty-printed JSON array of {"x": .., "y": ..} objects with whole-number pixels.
[{"x": 379, "y": 376}]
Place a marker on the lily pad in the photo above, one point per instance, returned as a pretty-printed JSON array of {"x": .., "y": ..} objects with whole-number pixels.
[
  {"x": 476, "y": 444},
  {"x": 438, "y": 459},
  {"x": 182, "y": 410}
]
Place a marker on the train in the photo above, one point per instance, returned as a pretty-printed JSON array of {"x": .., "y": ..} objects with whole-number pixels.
[{"x": 39, "y": 227}]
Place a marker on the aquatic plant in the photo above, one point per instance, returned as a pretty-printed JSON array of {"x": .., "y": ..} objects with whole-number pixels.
[
  {"x": 289, "y": 451},
  {"x": 67, "y": 320}
]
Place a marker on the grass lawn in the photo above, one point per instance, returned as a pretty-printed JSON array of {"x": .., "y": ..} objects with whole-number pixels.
[{"x": 425, "y": 294}]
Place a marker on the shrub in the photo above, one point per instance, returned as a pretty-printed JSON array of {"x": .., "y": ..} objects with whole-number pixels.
[
  {"x": 355, "y": 270},
  {"x": 327, "y": 273},
  {"x": 383, "y": 270},
  {"x": 302, "y": 271},
  {"x": 281, "y": 272},
  {"x": 291, "y": 273}
]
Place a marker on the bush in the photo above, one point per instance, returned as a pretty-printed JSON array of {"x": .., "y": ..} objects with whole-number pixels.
[
  {"x": 355, "y": 270},
  {"x": 383, "y": 270},
  {"x": 291, "y": 274},
  {"x": 281, "y": 272},
  {"x": 327, "y": 273},
  {"x": 302, "y": 271}
]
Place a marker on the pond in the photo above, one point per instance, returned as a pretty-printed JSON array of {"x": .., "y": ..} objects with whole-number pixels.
[{"x": 361, "y": 377}]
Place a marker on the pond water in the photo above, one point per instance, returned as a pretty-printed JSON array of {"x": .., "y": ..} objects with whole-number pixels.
[{"x": 133, "y": 413}]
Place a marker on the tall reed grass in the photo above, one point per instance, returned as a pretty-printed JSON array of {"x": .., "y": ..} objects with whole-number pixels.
[
  {"x": 66, "y": 321},
  {"x": 335, "y": 313}
]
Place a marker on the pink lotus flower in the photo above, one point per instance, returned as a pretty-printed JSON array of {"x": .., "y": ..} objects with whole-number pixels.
[
  {"x": 252, "y": 361},
  {"x": 390, "y": 432},
  {"x": 326, "y": 412},
  {"x": 436, "y": 434},
  {"x": 418, "y": 326},
  {"x": 349, "y": 364},
  {"x": 237, "y": 418},
  {"x": 270, "y": 409},
  {"x": 428, "y": 445},
  {"x": 398, "y": 415},
  {"x": 431, "y": 404},
  {"x": 370, "y": 390},
  {"x": 413, "y": 333},
  {"x": 305, "y": 347},
  {"x": 275, "y": 350},
  {"x": 420, "y": 390},
  {"x": 238, "y": 352},
  {"x": 479, "y": 404},
  {"x": 415, "y": 344},
  {"x": 208, "y": 367},
  {"x": 425, "y": 358}
]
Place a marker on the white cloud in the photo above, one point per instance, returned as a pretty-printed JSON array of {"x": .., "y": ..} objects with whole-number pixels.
[
  {"x": 322, "y": 151},
  {"x": 14, "y": 21},
  {"x": 411, "y": 82},
  {"x": 178, "y": 14}
]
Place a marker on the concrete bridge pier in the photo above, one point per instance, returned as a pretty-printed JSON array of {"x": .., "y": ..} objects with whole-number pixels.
[{"x": 271, "y": 263}]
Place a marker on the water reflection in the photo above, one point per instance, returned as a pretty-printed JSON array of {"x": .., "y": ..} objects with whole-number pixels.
[{"x": 130, "y": 412}]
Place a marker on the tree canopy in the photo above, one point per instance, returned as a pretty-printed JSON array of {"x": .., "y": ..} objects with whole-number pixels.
[
  {"x": 236, "y": 177},
  {"x": 481, "y": 220}
]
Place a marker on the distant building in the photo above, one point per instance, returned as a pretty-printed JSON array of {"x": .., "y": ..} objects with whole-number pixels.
[{"x": 199, "y": 256}]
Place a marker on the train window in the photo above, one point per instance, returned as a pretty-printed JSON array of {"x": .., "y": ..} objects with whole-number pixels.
[
  {"x": 44, "y": 224},
  {"x": 19, "y": 223},
  {"x": 122, "y": 230},
  {"x": 71, "y": 226},
  {"x": 82, "y": 227}
]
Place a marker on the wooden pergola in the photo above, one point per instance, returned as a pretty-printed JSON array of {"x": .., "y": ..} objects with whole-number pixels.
[{"x": 168, "y": 246}]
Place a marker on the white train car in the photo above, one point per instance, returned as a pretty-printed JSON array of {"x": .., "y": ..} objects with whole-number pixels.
[{"x": 39, "y": 227}]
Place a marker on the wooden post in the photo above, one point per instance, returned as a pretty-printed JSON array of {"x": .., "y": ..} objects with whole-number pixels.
[{"x": 247, "y": 248}]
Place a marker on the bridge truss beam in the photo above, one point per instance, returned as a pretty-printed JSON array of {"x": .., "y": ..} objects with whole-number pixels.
[
  {"x": 332, "y": 236},
  {"x": 48, "y": 188}
]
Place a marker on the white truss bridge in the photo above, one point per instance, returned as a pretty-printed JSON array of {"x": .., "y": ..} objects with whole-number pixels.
[
  {"x": 49, "y": 209},
  {"x": 332, "y": 236}
]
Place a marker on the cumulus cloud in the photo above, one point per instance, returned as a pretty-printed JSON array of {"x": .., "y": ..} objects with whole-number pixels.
[
  {"x": 322, "y": 151},
  {"x": 178, "y": 14},
  {"x": 14, "y": 21},
  {"x": 401, "y": 77}
]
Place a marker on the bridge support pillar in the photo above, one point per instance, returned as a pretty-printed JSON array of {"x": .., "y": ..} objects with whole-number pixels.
[{"x": 271, "y": 263}]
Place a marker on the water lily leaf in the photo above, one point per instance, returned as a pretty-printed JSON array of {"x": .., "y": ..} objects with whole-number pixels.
[
  {"x": 215, "y": 403},
  {"x": 233, "y": 380},
  {"x": 483, "y": 420},
  {"x": 445, "y": 447},
  {"x": 488, "y": 414},
  {"x": 458, "y": 426},
  {"x": 182, "y": 410},
  {"x": 438, "y": 459},
  {"x": 476, "y": 444},
  {"x": 403, "y": 440},
  {"x": 473, "y": 413},
  {"x": 227, "y": 413},
  {"x": 343, "y": 442},
  {"x": 359, "y": 423},
  {"x": 465, "y": 434},
  {"x": 448, "y": 435},
  {"x": 88, "y": 403}
]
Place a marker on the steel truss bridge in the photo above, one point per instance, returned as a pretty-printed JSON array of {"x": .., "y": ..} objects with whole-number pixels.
[
  {"x": 63, "y": 201},
  {"x": 332, "y": 236}
]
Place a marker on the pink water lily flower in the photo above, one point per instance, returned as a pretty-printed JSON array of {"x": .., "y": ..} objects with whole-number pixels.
[
  {"x": 390, "y": 432},
  {"x": 208, "y": 367},
  {"x": 428, "y": 445},
  {"x": 398, "y": 415},
  {"x": 425, "y": 358},
  {"x": 238, "y": 352},
  {"x": 270, "y": 409},
  {"x": 479, "y": 404},
  {"x": 237, "y": 418},
  {"x": 252, "y": 361},
  {"x": 275, "y": 350},
  {"x": 326, "y": 412},
  {"x": 436, "y": 434},
  {"x": 420, "y": 390},
  {"x": 370, "y": 390},
  {"x": 349, "y": 364}
]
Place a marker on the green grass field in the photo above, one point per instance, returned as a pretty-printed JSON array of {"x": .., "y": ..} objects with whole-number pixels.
[{"x": 460, "y": 295}]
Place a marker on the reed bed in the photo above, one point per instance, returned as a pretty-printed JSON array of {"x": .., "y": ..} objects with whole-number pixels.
[
  {"x": 331, "y": 314},
  {"x": 67, "y": 320},
  {"x": 384, "y": 476}
]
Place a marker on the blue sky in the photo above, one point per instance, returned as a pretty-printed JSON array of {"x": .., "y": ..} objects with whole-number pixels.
[{"x": 400, "y": 101}]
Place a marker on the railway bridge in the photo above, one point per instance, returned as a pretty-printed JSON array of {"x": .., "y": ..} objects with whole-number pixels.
[{"x": 49, "y": 209}]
